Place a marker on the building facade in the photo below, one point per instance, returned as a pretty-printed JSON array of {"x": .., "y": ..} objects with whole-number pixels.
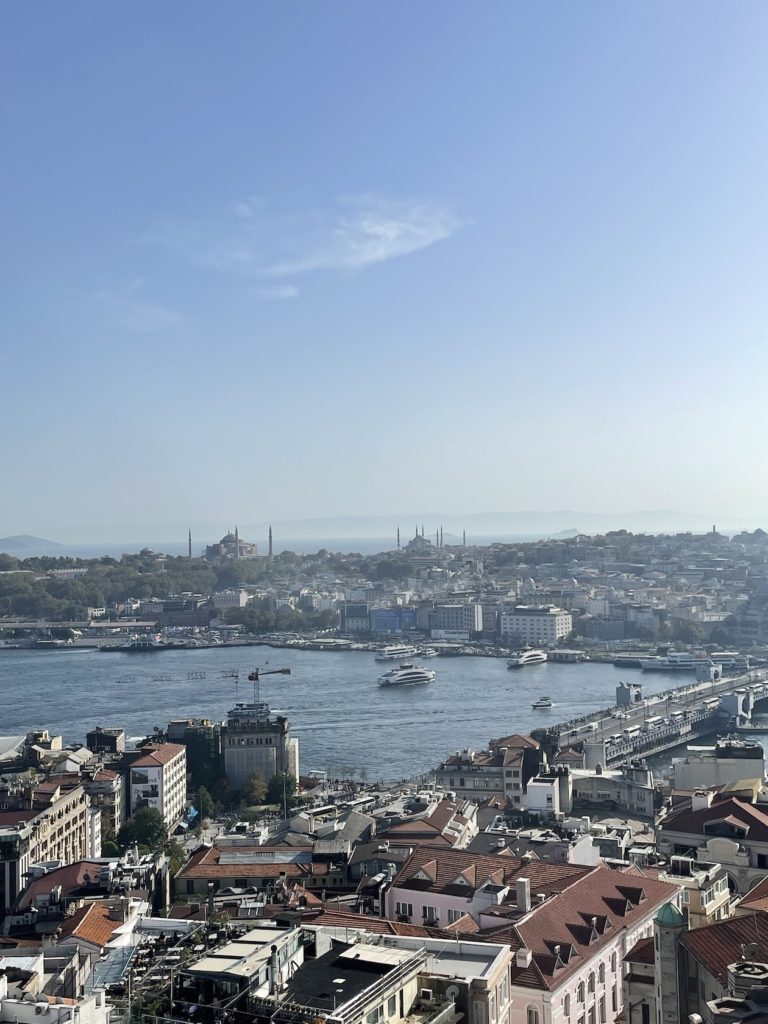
[
  {"x": 254, "y": 740},
  {"x": 535, "y": 625},
  {"x": 159, "y": 779}
]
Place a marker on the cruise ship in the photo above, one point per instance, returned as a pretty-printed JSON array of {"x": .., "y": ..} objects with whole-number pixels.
[
  {"x": 407, "y": 675},
  {"x": 395, "y": 653},
  {"x": 523, "y": 658}
]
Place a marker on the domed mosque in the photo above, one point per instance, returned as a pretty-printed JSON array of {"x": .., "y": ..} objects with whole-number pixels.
[{"x": 231, "y": 547}]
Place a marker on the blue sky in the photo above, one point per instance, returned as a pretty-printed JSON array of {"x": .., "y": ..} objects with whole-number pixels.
[{"x": 275, "y": 260}]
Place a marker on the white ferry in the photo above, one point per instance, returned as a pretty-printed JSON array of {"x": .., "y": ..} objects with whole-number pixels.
[
  {"x": 395, "y": 653},
  {"x": 675, "y": 661},
  {"x": 523, "y": 658},
  {"x": 731, "y": 662},
  {"x": 407, "y": 675}
]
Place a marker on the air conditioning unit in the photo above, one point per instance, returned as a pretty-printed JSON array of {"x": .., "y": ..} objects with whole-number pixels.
[{"x": 425, "y": 994}]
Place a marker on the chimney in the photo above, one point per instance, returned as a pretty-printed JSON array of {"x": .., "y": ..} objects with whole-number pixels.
[
  {"x": 523, "y": 890},
  {"x": 523, "y": 957},
  {"x": 701, "y": 799}
]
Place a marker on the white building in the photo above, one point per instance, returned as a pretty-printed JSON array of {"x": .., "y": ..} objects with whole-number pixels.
[
  {"x": 456, "y": 618},
  {"x": 230, "y": 599},
  {"x": 536, "y": 625},
  {"x": 159, "y": 780}
]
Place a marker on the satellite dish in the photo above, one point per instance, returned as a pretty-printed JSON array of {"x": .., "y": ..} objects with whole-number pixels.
[{"x": 452, "y": 991}]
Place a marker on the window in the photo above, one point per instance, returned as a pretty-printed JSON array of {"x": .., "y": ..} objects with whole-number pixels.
[
  {"x": 533, "y": 1015},
  {"x": 375, "y": 1015},
  {"x": 591, "y": 1015},
  {"x": 580, "y": 992},
  {"x": 614, "y": 1000},
  {"x": 591, "y": 982},
  {"x": 601, "y": 1004},
  {"x": 404, "y": 909},
  {"x": 392, "y": 1006},
  {"x": 613, "y": 962},
  {"x": 567, "y": 1006},
  {"x": 601, "y": 974},
  {"x": 645, "y": 1014}
]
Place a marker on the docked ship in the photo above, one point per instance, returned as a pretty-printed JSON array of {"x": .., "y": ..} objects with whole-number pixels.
[
  {"x": 407, "y": 675},
  {"x": 675, "y": 661},
  {"x": 395, "y": 653},
  {"x": 523, "y": 658},
  {"x": 731, "y": 662},
  {"x": 141, "y": 645}
]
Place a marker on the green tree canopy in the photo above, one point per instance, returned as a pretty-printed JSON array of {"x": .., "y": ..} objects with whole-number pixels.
[
  {"x": 280, "y": 788},
  {"x": 147, "y": 828},
  {"x": 255, "y": 789}
]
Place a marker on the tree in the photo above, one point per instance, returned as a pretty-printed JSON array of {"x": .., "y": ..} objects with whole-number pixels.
[
  {"x": 281, "y": 788},
  {"x": 147, "y": 828},
  {"x": 204, "y": 803},
  {"x": 255, "y": 789}
]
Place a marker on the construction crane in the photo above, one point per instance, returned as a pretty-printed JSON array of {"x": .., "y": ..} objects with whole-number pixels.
[{"x": 254, "y": 676}]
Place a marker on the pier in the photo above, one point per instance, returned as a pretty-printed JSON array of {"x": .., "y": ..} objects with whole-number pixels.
[{"x": 641, "y": 727}]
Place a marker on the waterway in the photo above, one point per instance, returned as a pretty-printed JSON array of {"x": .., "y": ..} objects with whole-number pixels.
[{"x": 345, "y": 722}]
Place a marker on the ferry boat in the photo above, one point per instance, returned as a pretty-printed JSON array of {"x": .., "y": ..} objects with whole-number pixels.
[
  {"x": 542, "y": 704},
  {"x": 395, "y": 653},
  {"x": 428, "y": 652},
  {"x": 675, "y": 661},
  {"x": 407, "y": 675},
  {"x": 731, "y": 662},
  {"x": 523, "y": 658},
  {"x": 139, "y": 645}
]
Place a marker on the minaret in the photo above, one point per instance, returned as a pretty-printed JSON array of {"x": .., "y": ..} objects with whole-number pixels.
[
  {"x": 189, "y": 540},
  {"x": 464, "y": 538},
  {"x": 441, "y": 536},
  {"x": 422, "y": 529},
  {"x": 237, "y": 543},
  {"x": 669, "y": 926},
  {"x": 270, "y": 543},
  {"x": 437, "y": 538},
  {"x": 398, "y": 538}
]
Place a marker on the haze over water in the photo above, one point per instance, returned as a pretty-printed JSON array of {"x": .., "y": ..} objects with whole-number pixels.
[{"x": 344, "y": 721}]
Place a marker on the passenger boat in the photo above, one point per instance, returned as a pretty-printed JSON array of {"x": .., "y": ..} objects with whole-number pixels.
[
  {"x": 675, "y": 661},
  {"x": 542, "y": 704},
  {"x": 407, "y": 675},
  {"x": 140, "y": 645},
  {"x": 428, "y": 652},
  {"x": 523, "y": 658},
  {"x": 395, "y": 653}
]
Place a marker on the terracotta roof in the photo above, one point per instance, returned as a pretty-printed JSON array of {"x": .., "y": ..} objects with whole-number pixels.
[
  {"x": 204, "y": 863},
  {"x": 442, "y": 867},
  {"x": 733, "y": 810},
  {"x": 70, "y": 877},
  {"x": 566, "y": 922},
  {"x": 641, "y": 953},
  {"x": 717, "y": 945},
  {"x": 757, "y": 898},
  {"x": 161, "y": 754},
  {"x": 515, "y": 740},
  {"x": 17, "y": 817},
  {"x": 91, "y": 923},
  {"x": 105, "y": 775}
]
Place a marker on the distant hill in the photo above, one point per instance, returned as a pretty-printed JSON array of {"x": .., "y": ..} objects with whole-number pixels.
[{"x": 25, "y": 546}]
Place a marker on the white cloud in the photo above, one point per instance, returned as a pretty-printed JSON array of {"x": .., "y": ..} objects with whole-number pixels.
[{"x": 254, "y": 241}]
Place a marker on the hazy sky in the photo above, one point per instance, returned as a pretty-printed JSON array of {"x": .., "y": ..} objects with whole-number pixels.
[{"x": 303, "y": 259}]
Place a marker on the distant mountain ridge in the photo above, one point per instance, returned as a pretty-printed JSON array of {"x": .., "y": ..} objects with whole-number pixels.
[{"x": 26, "y": 545}]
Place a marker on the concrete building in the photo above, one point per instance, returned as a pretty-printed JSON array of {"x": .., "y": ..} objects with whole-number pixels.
[
  {"x": 159, "y": 779},
  {"x": 254, "y": 740},
  {"x": 243, "y": 865},
  {"x": 729, "y": 760},
  {"x": 105, "y": 790},
  {"x": 105, "y": 741},
  {"x": 629, "y": 789},
  {"x": 224, "y": 599},
  {"x": 452, "y": 620},
  {"x": 705, "y": 897},
  {"x": 535, "y": 625},
  {"x": 52, "y": 826}
]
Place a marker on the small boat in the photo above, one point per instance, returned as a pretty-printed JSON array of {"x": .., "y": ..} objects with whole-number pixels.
[
  {"x": 396, "y": 653},
  {"x": 523, "y": 658},
  {"x": 407, "y": 675},
  {"x": 428, "y": 652},
  {"x": 542, "y": 704}
]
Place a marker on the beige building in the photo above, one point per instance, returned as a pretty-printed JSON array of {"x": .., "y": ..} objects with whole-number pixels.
[
  {"x": 535, "y": 625},
  {"x": 53, "y": 826}
]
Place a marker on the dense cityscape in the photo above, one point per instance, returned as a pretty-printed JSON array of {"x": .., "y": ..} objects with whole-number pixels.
[{"x": 204, "y": 871}]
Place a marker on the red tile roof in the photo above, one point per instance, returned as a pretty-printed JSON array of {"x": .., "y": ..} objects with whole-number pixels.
[
  {"x": 717, "y": 945},
  {"x": 641, "y": 953},
  {"x": 70, "y": 877},
  {"x": 567, "y": 922},
  {"x": 444, "y": 866},
  {"x": 515, "y": 740},
  {"x": 757, "y": 898},
  {"x": 161, "y": 754},
  {"x": 204, "y": 863},
  {"x": 90, "y": 923},
  {"x": 734, "y": 810}
]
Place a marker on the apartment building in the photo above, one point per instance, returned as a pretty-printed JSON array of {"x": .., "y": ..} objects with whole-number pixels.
[
  {"x": 254, "y": 740},
  {"x": 159, "y": 779}
]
